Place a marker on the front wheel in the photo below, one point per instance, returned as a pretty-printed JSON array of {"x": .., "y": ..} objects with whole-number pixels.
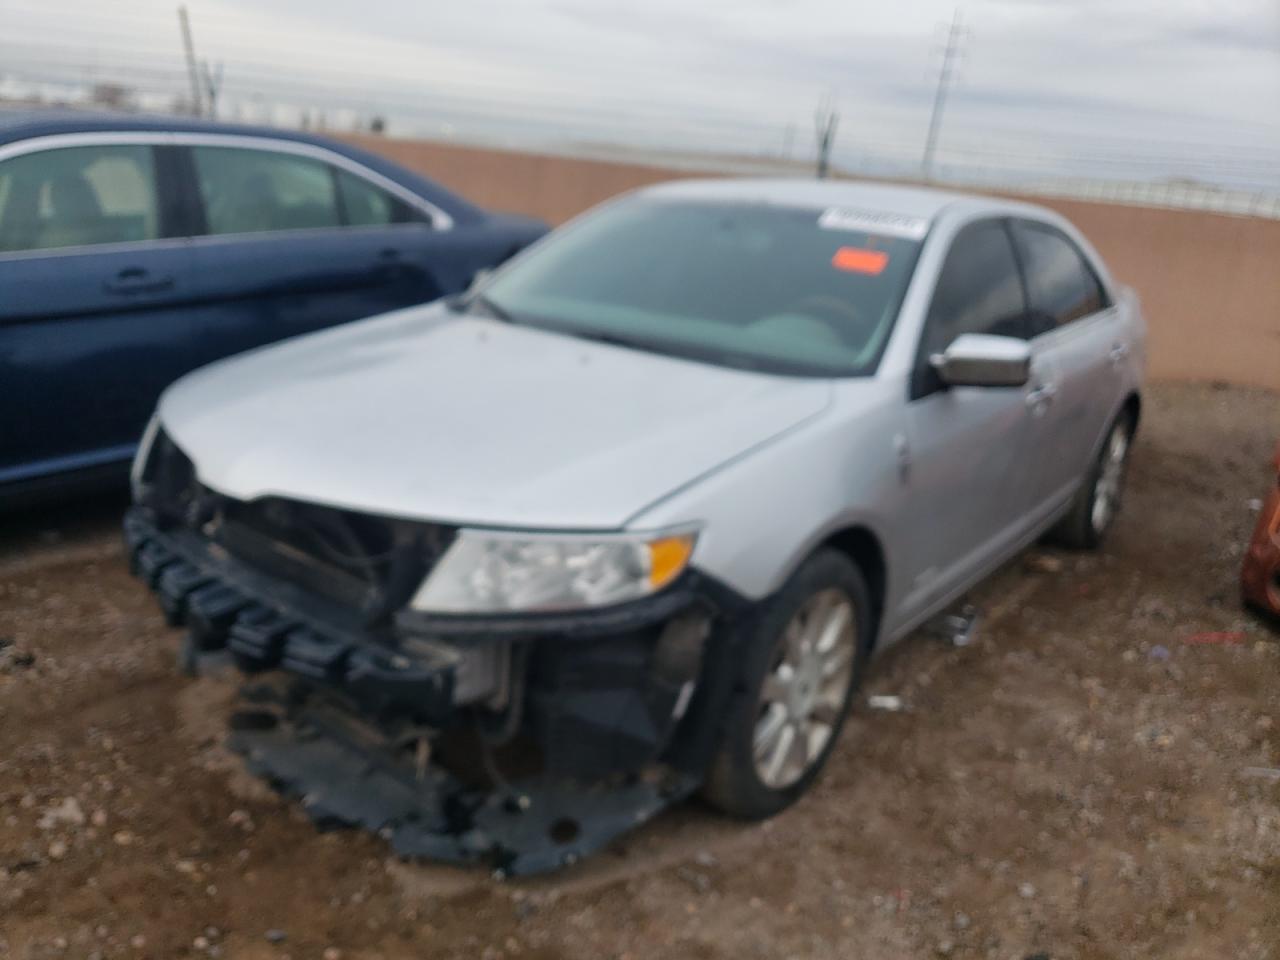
[
  {"x": 803, "y": 660},
  {"x": 1098, "y": 501}
]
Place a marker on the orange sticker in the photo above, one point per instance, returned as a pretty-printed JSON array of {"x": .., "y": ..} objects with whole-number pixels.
[{"x": 857, "y": 260}]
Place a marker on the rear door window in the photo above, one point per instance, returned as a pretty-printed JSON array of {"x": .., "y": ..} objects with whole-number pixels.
[
  {"x": 1061, "y": 286},
  {"x": 78, "y": 196},
  {"x": 256, "y": 191}
]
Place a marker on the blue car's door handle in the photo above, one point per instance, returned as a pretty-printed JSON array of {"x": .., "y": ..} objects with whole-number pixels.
[
  {"x": 137, "y": 280},
  {"x": 388, "y": 264}
]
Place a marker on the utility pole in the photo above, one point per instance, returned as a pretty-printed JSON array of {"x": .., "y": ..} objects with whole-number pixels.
[
  {"x": 193, "y": 73},
  {"x": 954, "y": 36},
  {"x": 825, "y": 120},
  {"x": 212, "y": 86}
]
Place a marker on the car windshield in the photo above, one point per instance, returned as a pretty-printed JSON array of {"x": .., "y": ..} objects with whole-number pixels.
[{"x": 779, "y": 289}]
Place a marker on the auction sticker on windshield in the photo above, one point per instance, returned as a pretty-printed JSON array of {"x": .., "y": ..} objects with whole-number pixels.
[
  {"x": 857, "y": 260},
  {"x": 874, "y": 221}
]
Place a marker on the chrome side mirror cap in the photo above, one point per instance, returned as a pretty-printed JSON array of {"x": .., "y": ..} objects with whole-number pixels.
[{"x": 984, "y": 360}]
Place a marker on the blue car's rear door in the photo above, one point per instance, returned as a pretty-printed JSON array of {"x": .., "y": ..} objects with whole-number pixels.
[
  {"x": 292, "y": 243},
  {"x": 93, "y": 283}
]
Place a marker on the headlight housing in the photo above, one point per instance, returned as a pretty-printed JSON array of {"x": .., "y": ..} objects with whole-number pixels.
[{"x": 491, "y": 572}]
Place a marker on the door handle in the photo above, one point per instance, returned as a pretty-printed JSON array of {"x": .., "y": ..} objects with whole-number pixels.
[
  {"x": 1118, "y": 352},
  {"x": 1041, "y": 396},
  {"x": 387, "y": 263},
  {"x": 137, "y": 280}
]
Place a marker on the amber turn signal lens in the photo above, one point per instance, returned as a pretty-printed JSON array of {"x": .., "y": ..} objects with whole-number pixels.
[{"x": 667, "y": 559}]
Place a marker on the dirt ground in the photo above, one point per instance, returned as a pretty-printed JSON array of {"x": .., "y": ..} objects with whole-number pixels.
[{"x": 1080, "y": 783}]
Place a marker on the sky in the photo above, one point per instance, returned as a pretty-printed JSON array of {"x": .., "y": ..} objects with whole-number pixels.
[{"x": 1114, "y": 89}]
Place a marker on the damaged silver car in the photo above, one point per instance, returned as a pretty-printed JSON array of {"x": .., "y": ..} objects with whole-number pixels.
[{"x": 513, "y": 571}]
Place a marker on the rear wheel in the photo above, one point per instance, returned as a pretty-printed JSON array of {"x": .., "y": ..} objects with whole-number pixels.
[
  {"x": 803, "y": 661},
  {"x": 1098, "y": 501}
]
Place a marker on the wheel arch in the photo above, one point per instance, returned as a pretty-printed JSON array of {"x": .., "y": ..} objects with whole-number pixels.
[
  {"x": 1132, "y": 407},
  {"x": 864, "y": 548}
]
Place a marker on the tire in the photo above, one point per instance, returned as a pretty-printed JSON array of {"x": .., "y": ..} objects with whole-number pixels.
[
  {"x": 1098, "y": 500},
  {"x": 802, "y": 675}
]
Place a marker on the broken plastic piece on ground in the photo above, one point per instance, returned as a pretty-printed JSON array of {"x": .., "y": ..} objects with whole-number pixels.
[
  {"x": 1159, "y": 652},
  {"x": 960, "y": 628},
  {"x": 1219, "y": 636},
  {"x": 885, "y": 701}
]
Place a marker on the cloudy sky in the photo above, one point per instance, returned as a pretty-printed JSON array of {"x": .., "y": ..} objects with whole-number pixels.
[{"x": 1107, "y": 88}]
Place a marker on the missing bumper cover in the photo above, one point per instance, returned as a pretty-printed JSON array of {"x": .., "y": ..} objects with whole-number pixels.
[{"x": 601, "y": 713}]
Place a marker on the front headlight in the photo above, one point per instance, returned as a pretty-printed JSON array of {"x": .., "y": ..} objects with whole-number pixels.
[{"x": 485, "y": 572}]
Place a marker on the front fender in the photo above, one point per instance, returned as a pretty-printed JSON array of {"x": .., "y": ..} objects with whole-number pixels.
[{"x": 762, "y": 515}]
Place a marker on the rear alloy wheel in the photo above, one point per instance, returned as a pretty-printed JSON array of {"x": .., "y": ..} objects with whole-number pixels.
[
  {"x": 1110, "y": 482},
  {"x": 802, "y": 663},
  {"x": 1098, "y": 502}
]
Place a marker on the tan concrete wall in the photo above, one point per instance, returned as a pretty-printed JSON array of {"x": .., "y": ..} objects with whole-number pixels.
[{"x": 1210, "y": 283}]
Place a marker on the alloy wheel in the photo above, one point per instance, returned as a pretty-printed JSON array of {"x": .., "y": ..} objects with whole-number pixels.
[
  {"x": 805, "y": 689},
  {"x": 1106, "y": 491}
]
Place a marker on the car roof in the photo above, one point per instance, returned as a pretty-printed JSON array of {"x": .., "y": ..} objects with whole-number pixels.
[
  {"x": 21, "y": 124},
  {"x": 926, "y": 203},
  {"x": 25, "y": 124}
]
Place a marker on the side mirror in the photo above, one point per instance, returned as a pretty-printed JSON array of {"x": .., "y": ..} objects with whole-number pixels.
[
  {"x": 984, "y": 360},
  {"x": 479, "y": 278}
]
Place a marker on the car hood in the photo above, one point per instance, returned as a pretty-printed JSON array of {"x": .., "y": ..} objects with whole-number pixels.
[{"x": 427, "y": 414}]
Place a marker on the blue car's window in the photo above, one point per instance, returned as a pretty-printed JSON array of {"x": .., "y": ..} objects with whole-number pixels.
[
  {"x": 364, "y": 205},
  {"x": 773, "y": 288},
  {"x": 251, "y": 191},
  {"x": 78, "y": 196}
]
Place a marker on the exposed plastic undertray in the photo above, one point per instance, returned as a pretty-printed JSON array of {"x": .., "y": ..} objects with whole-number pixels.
[{"x": 346, "y": 778}]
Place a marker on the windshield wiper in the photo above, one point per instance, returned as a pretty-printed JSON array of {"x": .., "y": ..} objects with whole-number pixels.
[
  {"x": 612, "y": 339},
  {"x": 718, "y": 356}
]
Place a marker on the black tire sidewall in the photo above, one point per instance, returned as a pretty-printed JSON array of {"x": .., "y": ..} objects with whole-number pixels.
[
  {"x": 1077, "y": 528},
  {"x": 1093, "y": 536},
  {"x": 733, "y": 784}
]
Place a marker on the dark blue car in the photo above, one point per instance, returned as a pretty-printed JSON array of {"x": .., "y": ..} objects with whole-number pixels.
[{"x": 133, "y": 250}]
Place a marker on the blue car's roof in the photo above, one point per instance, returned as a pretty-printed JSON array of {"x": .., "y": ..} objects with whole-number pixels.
[{"x": 43, "y": 122}]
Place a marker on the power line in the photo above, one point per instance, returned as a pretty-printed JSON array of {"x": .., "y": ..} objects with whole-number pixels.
[{"x": 511, "y": 113}]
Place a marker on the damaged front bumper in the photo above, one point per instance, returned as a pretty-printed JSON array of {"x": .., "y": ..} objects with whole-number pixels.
[{"x": 521, "y": 742}]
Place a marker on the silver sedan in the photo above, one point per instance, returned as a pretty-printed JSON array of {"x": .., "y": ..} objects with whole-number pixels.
[{"x": 739, "y": 435}]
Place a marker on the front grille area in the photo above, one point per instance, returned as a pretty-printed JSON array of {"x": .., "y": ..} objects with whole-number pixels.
[
  {"x": 371, "y": 564},
  {"x": 367, "y": 563}
]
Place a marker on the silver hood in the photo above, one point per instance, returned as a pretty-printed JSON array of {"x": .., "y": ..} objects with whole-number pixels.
[{"x": 424, "y": 414}]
